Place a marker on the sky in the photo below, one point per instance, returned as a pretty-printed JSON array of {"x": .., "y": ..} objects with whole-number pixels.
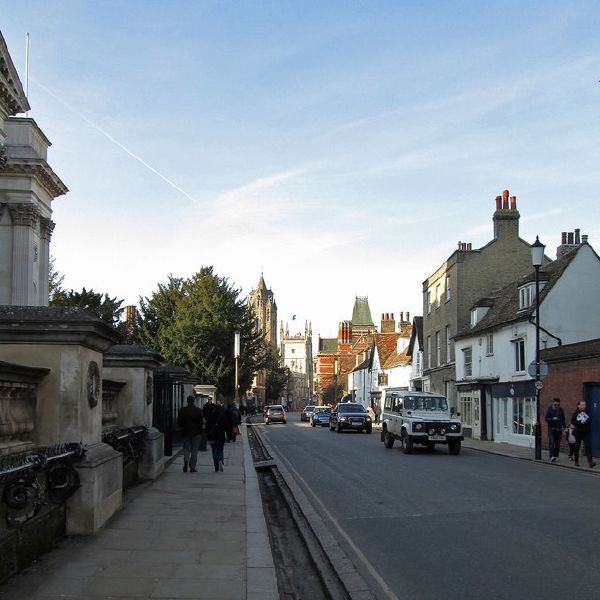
[{"x": 342, "y": 148}]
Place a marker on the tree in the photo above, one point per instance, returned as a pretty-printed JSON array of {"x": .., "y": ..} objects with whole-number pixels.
[
  {"x": 103, "y": 306},
  {"x": 191, "y": 322},
  {"x": 278, "y": 376},
  {"x": 55, "y": 281}
]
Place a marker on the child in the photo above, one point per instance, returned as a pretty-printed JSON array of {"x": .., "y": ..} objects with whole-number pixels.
[{"x": 571, "y": 441}]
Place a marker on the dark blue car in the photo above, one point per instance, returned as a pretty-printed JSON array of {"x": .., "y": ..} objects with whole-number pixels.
[{"x": 321, "y": 416}]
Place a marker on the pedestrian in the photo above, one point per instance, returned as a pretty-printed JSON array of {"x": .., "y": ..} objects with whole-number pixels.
[
  {"x": 571, "y": 441},
  {"x": 216, "y": 426},
  {"x": 189, "y": 420},
  {"x": 555, "y": 417},
  {"x": 582, "y": 421},
  {"x": 233, "y": 419},
  {"x": 377, "y": 410}
]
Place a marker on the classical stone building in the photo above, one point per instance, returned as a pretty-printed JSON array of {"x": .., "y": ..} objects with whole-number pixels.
[
  {"x": 262, "y": 302},
  {"x": 27, "y": 188},
  {"x": 297, "y": 355},
  {"x": 465, "y": 276}
]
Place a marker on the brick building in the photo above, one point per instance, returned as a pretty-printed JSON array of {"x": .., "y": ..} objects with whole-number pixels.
[
  {"x": 465, "y": 276},
  {"x": 573, "y": 375}
]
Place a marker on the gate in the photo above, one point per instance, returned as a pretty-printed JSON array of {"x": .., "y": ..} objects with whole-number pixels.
[
  {"x": 168, "y": 399},
  {"x": 592, "y": 398}
]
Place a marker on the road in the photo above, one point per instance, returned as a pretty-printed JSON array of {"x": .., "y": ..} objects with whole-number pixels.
[{"x": 436, "y": 526}]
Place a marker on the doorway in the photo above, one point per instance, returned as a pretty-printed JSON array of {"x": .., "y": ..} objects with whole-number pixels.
[{"x": 592, "y": 397}]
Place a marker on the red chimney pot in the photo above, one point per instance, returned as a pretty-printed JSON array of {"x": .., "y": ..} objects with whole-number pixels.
[
  {"x": 498, "y": 202},
  {"x": 513, "y": 203},
  {"x": 564, "y": 237}
]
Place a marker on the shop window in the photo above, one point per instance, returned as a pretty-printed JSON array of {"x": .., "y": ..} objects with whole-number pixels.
[
  {"x": 466, "y": 410},
  {"x": 523, "y": 415}
]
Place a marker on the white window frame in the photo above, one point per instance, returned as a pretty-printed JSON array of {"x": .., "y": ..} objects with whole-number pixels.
[
  {"x": 438, "y": 349},
  {"x": 520, "y": 356},
  {"x": 448, "y": 345},
  {"x": 429, "y": 352},
  {"x": 448, "y": 290},
  {"x": 525, "y": 296},
  {"x": 468, "y": 366},
  {"x": 489, "y": 344}
]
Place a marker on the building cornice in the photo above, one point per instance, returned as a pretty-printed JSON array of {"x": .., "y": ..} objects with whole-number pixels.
[{"x": 40, "y": 170}]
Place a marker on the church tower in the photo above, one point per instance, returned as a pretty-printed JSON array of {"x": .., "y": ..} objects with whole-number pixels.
[{"x": 262, "y": 302}]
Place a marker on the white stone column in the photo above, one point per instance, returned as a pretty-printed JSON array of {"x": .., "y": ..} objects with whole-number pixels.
[
  {"x": 24, "y": 217},
  {"x": 46, "y": 228}
]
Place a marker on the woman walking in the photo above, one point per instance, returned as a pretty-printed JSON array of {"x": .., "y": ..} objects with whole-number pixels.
[{"x": 216, "y": 426}]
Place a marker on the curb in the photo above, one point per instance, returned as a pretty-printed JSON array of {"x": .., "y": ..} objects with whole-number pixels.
[
  {"x": 353, "y": 582},
  {"x": 534, "y": 461}
]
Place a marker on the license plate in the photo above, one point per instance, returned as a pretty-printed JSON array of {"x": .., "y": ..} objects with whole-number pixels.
[{"x": 437, "y": 438}]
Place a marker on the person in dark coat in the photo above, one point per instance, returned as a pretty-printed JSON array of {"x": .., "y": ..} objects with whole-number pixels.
[
  {"x": 234, "y": 419},
  {"x": 216, "y": 427},
  {"x": 555, "y": 417},
  {"x": 189, "y": 420},
  {"x": 582, "y": 422}
]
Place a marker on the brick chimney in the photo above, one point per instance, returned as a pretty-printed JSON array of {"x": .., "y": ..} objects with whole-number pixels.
[
  {"x": 388, "y": 323},
  {"x": 506, "y": 217},
  {"x": 570, "y": 240}
]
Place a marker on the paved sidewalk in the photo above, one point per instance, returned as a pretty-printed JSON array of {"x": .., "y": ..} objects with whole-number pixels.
[
  {"x": 522, "y": 453},
  {"x": 186, "y": 535}
]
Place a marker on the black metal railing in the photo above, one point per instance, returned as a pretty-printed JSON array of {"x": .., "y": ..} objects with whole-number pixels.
[
  {"x": 168, "y": 399},
  {"x": 31, "y": 479},
  {"x": 130, "y": 442}
]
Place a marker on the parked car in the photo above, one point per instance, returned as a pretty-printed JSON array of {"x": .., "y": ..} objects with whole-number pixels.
[
  {"x": 350, "y": 415},
  {"x": 275, "y": 414},
  {"x": 321, "y": 416},
  {"x": 306, "y": 414},
  {"x": 419, "y": 418}
]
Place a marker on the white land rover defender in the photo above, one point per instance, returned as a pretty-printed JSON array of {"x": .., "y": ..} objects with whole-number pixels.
[{"x": 419, "y": 418}]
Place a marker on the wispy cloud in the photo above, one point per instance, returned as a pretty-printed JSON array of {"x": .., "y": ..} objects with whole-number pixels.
[{"x": 116, "y": 142}]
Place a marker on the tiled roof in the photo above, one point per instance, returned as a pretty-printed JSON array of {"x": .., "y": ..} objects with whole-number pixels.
[
  {"x": 505, "y": 302},
  {"x": 386, "y": 345},
  {"x": 397, "y": 360}
]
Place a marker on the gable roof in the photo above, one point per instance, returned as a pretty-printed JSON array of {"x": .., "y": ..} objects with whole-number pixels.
[
  {"x": 361, "y": 313},
  {"x": 12, "y": 95},
  {"x": 416, "y": 334},
  {"x": 504, "y": 303},
  {"x": 386, "y": 344},
  {"x": 397, "y": 360}
]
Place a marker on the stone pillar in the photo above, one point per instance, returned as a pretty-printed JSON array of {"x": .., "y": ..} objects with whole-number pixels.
[
  {"x": 24, "y": 216},
  {"x": 133, "y": 365},
  {"x": 69, "y": 342},
  {"x": 46, "y": 229}
]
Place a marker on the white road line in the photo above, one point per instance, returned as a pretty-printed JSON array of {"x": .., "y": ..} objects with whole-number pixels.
[{"x": 374, "y": 573}]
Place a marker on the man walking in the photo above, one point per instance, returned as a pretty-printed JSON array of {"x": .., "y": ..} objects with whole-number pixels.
[
  {"x": 189, "y": 420},
  {"x": 555, "y": 417},
  {"x": 582, "y": 421}
]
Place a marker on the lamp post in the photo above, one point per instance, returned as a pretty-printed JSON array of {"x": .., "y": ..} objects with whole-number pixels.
[
  {"x": 236, "y": 355},
  {"x": 537, "y": 258}
]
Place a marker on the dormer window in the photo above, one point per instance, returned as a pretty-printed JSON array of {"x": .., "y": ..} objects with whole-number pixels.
[
  {"x": 526, "y": 295},
  {"x": 477, "y": 314}
]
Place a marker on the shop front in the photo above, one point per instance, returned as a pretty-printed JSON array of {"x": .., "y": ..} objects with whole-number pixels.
[{"x": 513, "y": 413}]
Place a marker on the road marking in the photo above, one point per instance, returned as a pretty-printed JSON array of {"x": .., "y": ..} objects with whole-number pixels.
[{"x": 374, "y": 573}]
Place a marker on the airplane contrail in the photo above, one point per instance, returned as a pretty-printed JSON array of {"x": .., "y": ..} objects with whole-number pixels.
[{"x": 114, "y": 141}]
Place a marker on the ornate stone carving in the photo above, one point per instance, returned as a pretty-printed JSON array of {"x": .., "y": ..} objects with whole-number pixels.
[
  {"x": 46, "y": 228},
  {"x": 93, "y": 384},
  {"x": 149, "y": 389},
  {"x": 24, "y": 213}
]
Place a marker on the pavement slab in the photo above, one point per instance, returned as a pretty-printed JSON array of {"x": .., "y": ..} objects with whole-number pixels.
[{"x": 185, "y": 535}]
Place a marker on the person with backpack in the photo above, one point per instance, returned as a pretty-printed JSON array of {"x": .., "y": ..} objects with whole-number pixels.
[{"x": 216, "y": 428}]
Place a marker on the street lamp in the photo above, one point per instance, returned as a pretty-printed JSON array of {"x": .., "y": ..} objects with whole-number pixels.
[
  {"x": 236, "y": 355},
  {"x": 537, "y": 258}
]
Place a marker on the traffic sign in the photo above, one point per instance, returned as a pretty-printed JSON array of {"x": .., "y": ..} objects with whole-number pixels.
[
  {"x": 539, "y": 385},
  {"x": 543, "y": 369}
]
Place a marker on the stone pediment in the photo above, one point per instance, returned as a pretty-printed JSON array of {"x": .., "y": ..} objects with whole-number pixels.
[{"x": 12, "y": 96}]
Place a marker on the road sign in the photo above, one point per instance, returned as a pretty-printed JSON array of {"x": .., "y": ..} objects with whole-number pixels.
[
  {"x": 539, "y": 385},
  {"x": 543, "y": 369}
]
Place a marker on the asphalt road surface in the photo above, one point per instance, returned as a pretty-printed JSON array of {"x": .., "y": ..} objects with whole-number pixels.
[{"x": 433, "y": 526}]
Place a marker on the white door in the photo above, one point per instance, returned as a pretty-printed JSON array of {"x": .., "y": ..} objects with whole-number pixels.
[
  {"x": 476, "y": 417},
  {"x": 502, "y": 410}
]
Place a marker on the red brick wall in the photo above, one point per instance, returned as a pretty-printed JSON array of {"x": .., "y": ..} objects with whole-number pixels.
[{"x": 566, "y": 380}]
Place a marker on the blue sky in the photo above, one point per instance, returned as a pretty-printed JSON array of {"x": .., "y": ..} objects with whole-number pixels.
[{"x": 342, "y": 147}]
